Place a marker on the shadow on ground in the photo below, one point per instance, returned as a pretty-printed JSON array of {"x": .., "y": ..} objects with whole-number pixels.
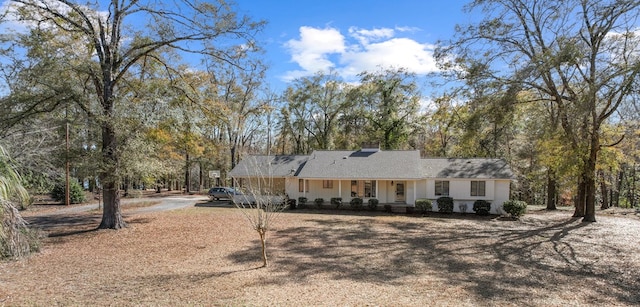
[
  {"x": 215, "y": 204},
  {"x": 502, "y": 260},
  {"x": 60, "y": 225}
]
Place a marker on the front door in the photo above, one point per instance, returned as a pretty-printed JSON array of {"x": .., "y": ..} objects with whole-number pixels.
[{"x": 400, "y": 192}]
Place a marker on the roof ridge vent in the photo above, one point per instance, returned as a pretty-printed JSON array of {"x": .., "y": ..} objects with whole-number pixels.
[{"x": 370, "y": 147}]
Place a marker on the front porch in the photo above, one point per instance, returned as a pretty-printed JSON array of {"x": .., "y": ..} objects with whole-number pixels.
[
  {"x": 387, "y": 191},
  {"x": 365, "y": 206}
]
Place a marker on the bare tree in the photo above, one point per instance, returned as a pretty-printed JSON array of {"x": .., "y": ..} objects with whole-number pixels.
[
  {"x": 260, "y": 202},
  {"x": 111, "y": 45},
  {"x": 580, "y": 55}
]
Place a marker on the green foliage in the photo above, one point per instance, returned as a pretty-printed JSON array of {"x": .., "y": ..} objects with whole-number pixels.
[
  {"x": 373, "y": 203},
  {"x": 482, "y": 207},
  {"x": 336, "y": 201},
  {"x": 391, "y": 96},
  {"x": 302, "y": 200},
  {"x": 356, "y": 203},
  {"x": 11, "y": 188},
  {"x": 76, "y": 193},
  {"x": 423, "y": 205},
  {"x": 16, "y": 240},
  {"x": 388, "y": 208},
  {"x": 37, "y": 183},
  {"x": 515, "y": 208},
  {"x": 319, "y": 201},
  {"x": 134, "y": 193},
  {"x": 445, "y": 204}
]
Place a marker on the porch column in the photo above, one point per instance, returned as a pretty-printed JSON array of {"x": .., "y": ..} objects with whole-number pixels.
[
  {"x": 339, "y": 188},
  {"x": 415, "y": 193},
  {"x": 377, "y": 189}
]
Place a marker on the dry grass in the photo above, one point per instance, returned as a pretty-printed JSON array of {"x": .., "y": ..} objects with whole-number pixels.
[{"x": 210, "y": 256}]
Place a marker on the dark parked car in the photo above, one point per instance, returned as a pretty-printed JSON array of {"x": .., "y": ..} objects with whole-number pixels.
[{"x": 222, "y": 192}]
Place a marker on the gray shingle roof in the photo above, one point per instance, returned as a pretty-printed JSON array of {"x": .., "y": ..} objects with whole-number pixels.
[
  {"x": 342, "y": 164},
  {"x": 362, "y": 165},
  {"x": 477, "y": 168},
  {"x": 269, "y": 166}
]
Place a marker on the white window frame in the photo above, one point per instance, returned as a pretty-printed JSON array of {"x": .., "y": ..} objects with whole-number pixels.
[{"x": 444, "y": 187}]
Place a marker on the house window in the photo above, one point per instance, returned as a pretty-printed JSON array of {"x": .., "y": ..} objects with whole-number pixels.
[
  {"x": 369, "y": 188},
  {"x": 478, "y": 188},
  {"x": 303, "y": 185},
  {"x": 327, "y": 184},
  {"x": 363, "y": 188},
  {"x": 442, "y": 188}
]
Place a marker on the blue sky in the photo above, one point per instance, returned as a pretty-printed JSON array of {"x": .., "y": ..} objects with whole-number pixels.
[
  {"x": 303, "y": 37},
  {"x": 351, "y": 36}
]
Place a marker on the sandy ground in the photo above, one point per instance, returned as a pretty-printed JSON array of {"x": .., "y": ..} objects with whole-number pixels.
[{"x": 207, "y": 254}]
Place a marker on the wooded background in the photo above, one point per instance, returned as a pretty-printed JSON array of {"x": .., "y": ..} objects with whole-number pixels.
[{"x": 550, "y": 86}]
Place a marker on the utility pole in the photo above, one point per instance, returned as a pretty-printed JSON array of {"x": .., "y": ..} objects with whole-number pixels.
[{"x": 67, "y": 200}]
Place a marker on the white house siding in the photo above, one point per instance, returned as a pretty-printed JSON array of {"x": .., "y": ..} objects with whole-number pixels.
[
  {"x": 496, "y": 192},
  {"x": 502, "y": 195},
  {"x": 383, "y": 193}
]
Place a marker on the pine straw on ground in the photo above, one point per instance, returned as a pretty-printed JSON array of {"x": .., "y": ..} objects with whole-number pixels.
[{"x": 210, "y": 256}]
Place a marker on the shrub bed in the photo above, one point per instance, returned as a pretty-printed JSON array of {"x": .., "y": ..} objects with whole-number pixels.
[
  {"x": 302, "y": 201},
  {"x": 445, "y": 204},
  {"x": 482, "y": 207},
  {"x": 423, "y": 205},
  {"x": 515, "y": 208},
  {"x": 336, "y": 201},
  {"x": 356, "y": 203},
  {"x": 372, "y": 203},
  {"x": 76, "y": 193}
]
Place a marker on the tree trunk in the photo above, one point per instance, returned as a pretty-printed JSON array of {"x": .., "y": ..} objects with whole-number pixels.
[
  {"x": 604, "y": 191},
  {"x": 590, "y": 184},
  {"x": 263, "y": 240},
  {"x": 187, "y": 174},
  {"x": 200, "y": 174},
  {"x": 552, "y": 193},
  {"x": 111, "y": 214},
  {"x": 631, "y": 195},
  {"x": 233, "y": 155},
  {"x": 580, "y": 198},
  {"x": 615, "y": 196}
]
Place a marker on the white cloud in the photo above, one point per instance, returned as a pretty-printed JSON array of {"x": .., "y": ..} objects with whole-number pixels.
[
  {"x": 14, "y": 22},
  {"x": 367, "y": 50},
  {"x": 395, "y": 52},
  {"x": 311, "y": 52},
  {"x": 365, "y": 36}
]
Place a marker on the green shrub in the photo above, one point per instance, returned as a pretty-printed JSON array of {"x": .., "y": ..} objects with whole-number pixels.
[
  {"x": 134, "y": 194},
  {"x": 515, "y": 208},
  {"x": 76, "y": 193},
  {"x": 356, "y": 203},
  {"x": 445, "y": 204},
  {"x": 373, "y": 203},
  {"x": 336, "y": 201},
  {"x": 319, "y": 202},
  {"x": 482, "y": 207},
  {"x": 302, "y": 201},
  {"x": 388, "y": 208},
  {"x": 423, "y": 205}
]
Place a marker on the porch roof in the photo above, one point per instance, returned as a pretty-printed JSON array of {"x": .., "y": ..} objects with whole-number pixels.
[{"x": 340, "y": 164}]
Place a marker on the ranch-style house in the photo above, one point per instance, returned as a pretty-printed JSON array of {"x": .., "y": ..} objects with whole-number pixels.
[{"x": 397, "y": 177}]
